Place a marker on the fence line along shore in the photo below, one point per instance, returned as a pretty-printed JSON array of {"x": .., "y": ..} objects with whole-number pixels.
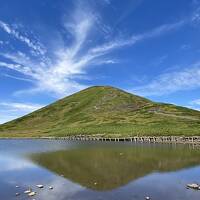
[{"x": 144, "y": 139}]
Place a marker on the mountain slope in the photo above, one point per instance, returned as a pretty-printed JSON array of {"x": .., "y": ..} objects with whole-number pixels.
[{"x": 105, "y": 110}]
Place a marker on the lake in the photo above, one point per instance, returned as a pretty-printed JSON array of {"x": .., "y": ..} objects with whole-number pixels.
[{"x": 97, "y": 170}]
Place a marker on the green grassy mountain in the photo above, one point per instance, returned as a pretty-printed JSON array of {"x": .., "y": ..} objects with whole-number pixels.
[{"x": 107, "y": 111}]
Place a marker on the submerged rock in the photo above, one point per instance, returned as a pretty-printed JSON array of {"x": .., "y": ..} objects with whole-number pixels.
[
  {"x": 40, "y": 186},
  {"x": 27, "y": 191},
  {"x": 32, "y": 194},
  {"x": 17, "y": 194},
  {"x": 193, "y": 186}
]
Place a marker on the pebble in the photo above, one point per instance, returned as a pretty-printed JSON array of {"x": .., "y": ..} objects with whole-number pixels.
[
  {"x": 27, "y": 191},
  {"x": 32, "y": 194},
  {"x": 40, "y": 186},
  {"x": 193, "y": 186}
]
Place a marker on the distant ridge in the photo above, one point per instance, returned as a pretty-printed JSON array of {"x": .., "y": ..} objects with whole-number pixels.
[{"x": 107, "y": 111}]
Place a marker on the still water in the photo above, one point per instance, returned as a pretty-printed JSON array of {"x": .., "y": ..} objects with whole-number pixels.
[{"x": 90, "y": 171}]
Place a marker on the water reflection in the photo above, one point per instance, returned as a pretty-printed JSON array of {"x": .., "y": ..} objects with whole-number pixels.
[
  {"x": 100, "y": 171},
  {"x": 110, "y": 167}
]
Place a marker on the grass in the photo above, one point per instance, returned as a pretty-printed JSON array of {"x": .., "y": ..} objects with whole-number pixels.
[{"x": 107, "y": 111}]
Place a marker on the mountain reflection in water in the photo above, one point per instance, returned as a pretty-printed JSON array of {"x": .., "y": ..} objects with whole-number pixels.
[{"x": 109, "y": 167}]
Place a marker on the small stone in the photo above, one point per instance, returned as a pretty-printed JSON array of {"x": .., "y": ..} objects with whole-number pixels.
[
  {"x": 193, "y": 186},
  {"x": 32, "y": 194},
  {"x": 27, "y": 191},
  {"x": 50, "y": 187},
  {"x": 17, "y": 194},
  {"x": 40, "y": 186}
]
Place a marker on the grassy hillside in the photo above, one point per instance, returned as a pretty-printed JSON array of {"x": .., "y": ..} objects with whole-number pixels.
[{"x": 105, "y": 110}]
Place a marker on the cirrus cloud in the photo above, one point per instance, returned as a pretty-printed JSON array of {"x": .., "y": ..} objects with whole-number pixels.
[
  {"x": 56, "y": 74},
  {"x": 186, "y": 79}
]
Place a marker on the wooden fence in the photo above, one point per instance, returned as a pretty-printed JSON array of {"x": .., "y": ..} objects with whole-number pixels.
[{"x": 146, "y": 139}]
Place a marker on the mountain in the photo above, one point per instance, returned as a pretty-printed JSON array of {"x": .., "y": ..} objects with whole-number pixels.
[{"x": 107, "y": 111}]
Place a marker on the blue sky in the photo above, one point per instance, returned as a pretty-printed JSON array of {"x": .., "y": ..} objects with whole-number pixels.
[{"x": 50, "y": 49}]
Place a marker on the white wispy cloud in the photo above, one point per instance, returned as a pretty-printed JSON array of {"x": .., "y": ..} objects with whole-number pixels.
[
  {"x": 107, "y": 1},
  {"x": 5, "y": 117},
  {"x": 165, "y": 28},
  {"x": 36, "y": 46},
  {"x": 196, "y": 15},
  {"x": 159, "y": 60},
  {"x": 195, "y": 102},
  {"x": 57, "y": 75},
  {"x": 17, "y": 78},
  {"x": 188, "y": 78},
  {"x": 12, "y": 110},
  {"x": 185, "y": 46},
  {"x": 13, "y": 106}
]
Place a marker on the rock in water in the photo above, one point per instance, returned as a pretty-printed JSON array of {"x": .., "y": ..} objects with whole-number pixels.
[
  {"x": 40, "y": 186},
  {"x": 193, "y": 186},
  {"x": 50, "y": 187},
  {"x": 27, "y": 191},
  {"x": 32, "y": 194},
  {"x": 147, "y": 198}
]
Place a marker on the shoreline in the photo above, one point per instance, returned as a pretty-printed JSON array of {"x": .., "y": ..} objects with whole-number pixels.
[{"x": 142, "y": 139}]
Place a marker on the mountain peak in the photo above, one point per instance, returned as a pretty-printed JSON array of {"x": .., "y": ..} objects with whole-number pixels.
[{"x": 105, "y": 110}]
